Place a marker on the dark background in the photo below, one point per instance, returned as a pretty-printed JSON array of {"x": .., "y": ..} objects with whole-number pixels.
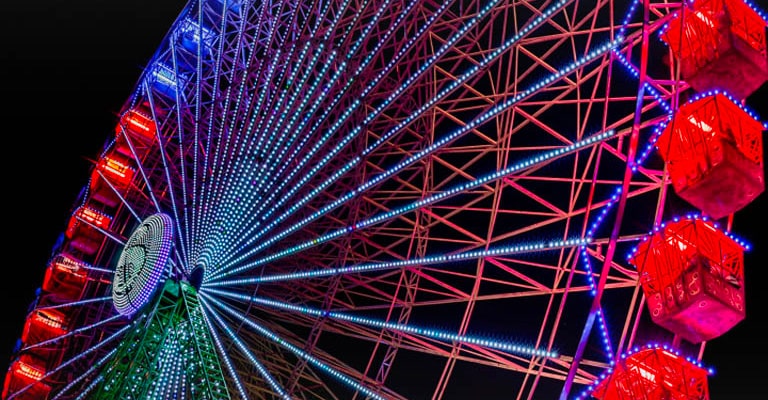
[{"x": 68, "y": 66}]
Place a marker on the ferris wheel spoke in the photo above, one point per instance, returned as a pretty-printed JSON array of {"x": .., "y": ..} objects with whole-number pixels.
[
  {"x": 411, "y": 338},
  {"x": 101, "y": 230},
  {"x": 243, "y": 145},
  {"x": 275, "y": 131},
  {"x": 257, "y": 109},
  {"x": 431, "y": 333},
  {"x": 95, "y": 367},
  {"x": 140, "y": 166},
  {"x": 207, "y": 182},
  {"x": 365, "y": 63},
  {"x": 78, "y": 356},
  {"x": 478, "y": 121},
  {"x": 266, "y": 134},
  {"x": 280, "y": 161},
  {"x": 180, "y": 104},
  {"x": 475, "y": 355},
  {"x": 408, "y": 161},
  {"x": 244, "y": 349},
  {"x": 197, "y": 110},
  {"x": 229, "y": 66},
  {"x": 119, "y": 195},
  {"x": 239, "y": 104},
  {"x": 443, "y": 259},
  {"x": 313, "y": 360},
  {"x": 290, "y": 107},
  {"x": 76, "y": 303},
  {"x": 247, "y": 137},
  {"x": 204, "y": 224}
]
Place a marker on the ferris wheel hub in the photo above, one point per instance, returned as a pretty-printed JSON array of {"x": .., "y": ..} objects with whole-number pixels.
[{"x": 142, "y": 263}]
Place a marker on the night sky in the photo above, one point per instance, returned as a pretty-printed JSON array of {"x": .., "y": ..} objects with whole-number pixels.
[{"x": 68, "y": 66}]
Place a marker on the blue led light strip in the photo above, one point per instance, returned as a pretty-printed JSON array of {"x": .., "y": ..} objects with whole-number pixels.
[
  {"x": 275, "y": 129},
  {"x": 603, "y": 326},
  {"x": 227, "y": 97},
  {"x": 295, "y": 350},
  {"x": 196, "y": 204},
  {"x": 245, "y": 143},
  {"x": 221, "y": 198},
  {"x": 224, "y": 354},
  {"x": 314, "y": 86},
  {"x": 636, "y": 73},
  {"x": 428, "y": 260},
  {"x": 189, "y": 235},
  {"x": 243, "y": 349},
  {"x": 351, "y": 24},
  {"x": 465, "y": 76},
  {"x": 431, "y": 333},
  {"x": 301, "y": 83},
  {"x": 692, "y": 217}
]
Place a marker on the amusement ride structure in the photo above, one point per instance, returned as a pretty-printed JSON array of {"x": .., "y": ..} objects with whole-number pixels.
[{"x": 412, "y": 199}]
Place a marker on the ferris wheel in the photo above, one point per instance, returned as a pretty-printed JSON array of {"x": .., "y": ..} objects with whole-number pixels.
[{"x": 412, "y": 199}]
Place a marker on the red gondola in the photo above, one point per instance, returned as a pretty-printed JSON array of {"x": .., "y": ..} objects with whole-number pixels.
[
  {"x": 654, "y": 373},
  {"x": 714, "y": 152},
  {"x": 720, "y": 45},
  {"x": 42, "y": 325},
  {"x": 111, "y": 171},
  {"x": 25, "y": 373},
  {"x": 692, "y": 275}
]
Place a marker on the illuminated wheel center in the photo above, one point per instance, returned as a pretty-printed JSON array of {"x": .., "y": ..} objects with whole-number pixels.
[{"x": 142, "y": 263}]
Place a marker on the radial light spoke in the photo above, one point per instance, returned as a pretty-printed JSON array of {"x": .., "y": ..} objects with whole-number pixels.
[{"x": 300, "y": 353}]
